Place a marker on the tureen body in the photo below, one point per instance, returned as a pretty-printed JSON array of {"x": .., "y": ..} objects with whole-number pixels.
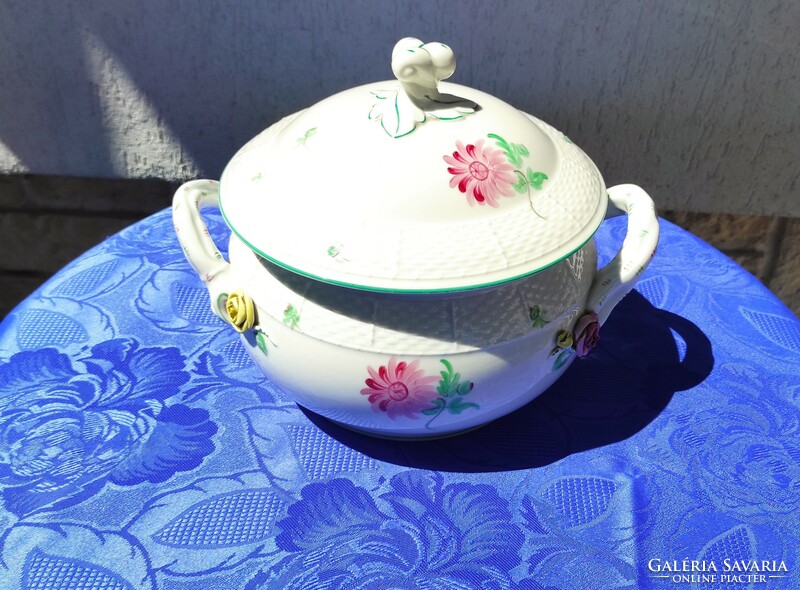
[{"x": 414, "y": 258}]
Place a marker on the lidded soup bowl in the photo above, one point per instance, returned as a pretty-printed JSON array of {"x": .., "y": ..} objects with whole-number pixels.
[{"x": 414, "y": 258}]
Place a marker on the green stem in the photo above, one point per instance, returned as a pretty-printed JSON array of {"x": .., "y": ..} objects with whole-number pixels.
[{"x": 436, "y": 415}]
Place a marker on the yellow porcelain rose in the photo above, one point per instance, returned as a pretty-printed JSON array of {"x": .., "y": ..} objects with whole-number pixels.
[{"x": 240, "y": 310}]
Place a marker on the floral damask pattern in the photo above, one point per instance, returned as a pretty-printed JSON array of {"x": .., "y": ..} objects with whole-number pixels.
[
  {"x": 338, "y": 536},
  {"x": 70, "y": 427},
  {"x": 745, "y": 447},
  {"x": 140, "y": 448}
]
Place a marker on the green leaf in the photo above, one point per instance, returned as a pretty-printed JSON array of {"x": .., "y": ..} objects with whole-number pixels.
[
  {"x": 290, "y": 316},
  {"x": 448, "y": 365},
  {"x": 522, "y": 184},
  {"x": 510, "y": 150},
  {"x": 447, "y": 389},
  {"x": 457, "y": 406},
  {"x": 501, "y": 143},
  {"x": 536, "y": 178},
  {"x": 261, "y": 340},
  {"x": 537, "y": 317},
  {"x": 445, "y": 385},
  {"x": 438, "y": 406},
  {"x": 397, "y": 119},
  {"x": 465, "y": 388},
  {"x": 221, "y": 301},
  {"x": 516, "y": 153},
  {"x": 450, "y": 384}
]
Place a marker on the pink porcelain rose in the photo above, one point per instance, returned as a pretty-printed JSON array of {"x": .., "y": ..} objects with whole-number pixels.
[
  {"x": 483, "y": 174},
  {"x": 587, "y": 333}
]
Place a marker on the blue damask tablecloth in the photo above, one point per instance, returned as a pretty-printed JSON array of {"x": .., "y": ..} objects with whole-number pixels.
[{"x": 141, "y": 449}]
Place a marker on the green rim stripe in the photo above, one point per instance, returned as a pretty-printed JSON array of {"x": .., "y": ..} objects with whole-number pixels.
[{"x": 388, "y": 289}]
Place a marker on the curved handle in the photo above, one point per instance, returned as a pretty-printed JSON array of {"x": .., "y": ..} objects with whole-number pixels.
[
  {"x": 617, "y": 278},
  {"x": 200, "y": 250}
]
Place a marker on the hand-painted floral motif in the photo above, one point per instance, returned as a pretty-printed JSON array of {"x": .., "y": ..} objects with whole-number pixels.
[
  {"x": 399, "y": 388},
  {"x": 308, "y": 135},
  {"x": 484, "y": 174},
  {"x": 562, "y": 355},
  {"x": 336, "y": 251},
  {"x": 262, "y": 341},
  {"x": 451, "y": 390},
  {"x": 291, "y": 317},
  {"x": 537, "y": 318},
  {"x": 587, "y": 333}
]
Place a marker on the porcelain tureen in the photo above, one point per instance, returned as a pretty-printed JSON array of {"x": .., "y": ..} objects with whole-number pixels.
[{"x": 414, "y": 258}]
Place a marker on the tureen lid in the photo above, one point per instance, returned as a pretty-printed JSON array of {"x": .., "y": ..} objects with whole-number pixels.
[{"x": 413, "y": 185}]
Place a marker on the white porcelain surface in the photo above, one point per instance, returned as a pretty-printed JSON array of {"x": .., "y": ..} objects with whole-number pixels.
[
  {"x": 322, "y": 343},
  {"x": 437, "y": 324},
  {"x": 466, "y": 309},
  {"x": 458, "y": 198}
]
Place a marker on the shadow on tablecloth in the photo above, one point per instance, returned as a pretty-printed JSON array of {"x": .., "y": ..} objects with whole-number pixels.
[{"x": 645, "y": 356}]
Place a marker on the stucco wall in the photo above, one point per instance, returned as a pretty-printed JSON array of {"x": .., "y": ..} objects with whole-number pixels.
[{"x": 697, "y": 100}]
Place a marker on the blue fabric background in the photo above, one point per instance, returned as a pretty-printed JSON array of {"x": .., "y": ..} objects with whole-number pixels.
[{"x": 140, "y": 449}]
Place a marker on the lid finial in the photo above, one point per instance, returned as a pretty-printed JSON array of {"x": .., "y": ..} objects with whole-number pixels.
[{"x": 419, "y": 67}]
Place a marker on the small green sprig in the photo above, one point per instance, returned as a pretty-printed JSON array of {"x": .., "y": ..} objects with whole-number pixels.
[
  {"x": 451, "y": 390},
  {"x": 515, "y": 152}
]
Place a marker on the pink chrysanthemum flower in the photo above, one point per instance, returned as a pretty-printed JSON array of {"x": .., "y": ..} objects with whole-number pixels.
[
  {"x": 400, "y": 389},
  {"x": 483, "y": 174}
]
